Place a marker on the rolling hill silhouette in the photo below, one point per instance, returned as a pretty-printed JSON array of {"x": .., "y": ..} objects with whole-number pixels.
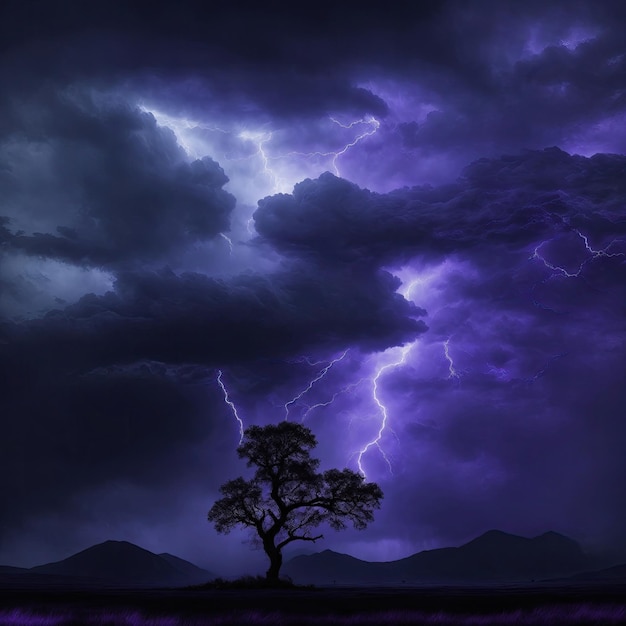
[
  {"x": 494, "y": 556},
  {"x": 9, "y": 569},
  {"x": 123, "y": 563},
  {"x": 617, "y": 573},
  {"x": 187, "y": 569}
]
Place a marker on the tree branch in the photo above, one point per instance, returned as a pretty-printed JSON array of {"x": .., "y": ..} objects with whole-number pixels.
[{"x": 289, "y": 539}]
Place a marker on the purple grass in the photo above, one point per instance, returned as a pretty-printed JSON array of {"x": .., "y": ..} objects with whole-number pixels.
[
  {"x": 573, "y": 615},
  {"x": 18, "y": 617}
]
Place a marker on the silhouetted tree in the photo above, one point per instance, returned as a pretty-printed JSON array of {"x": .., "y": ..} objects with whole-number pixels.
[{"x": 287, "y": 497}]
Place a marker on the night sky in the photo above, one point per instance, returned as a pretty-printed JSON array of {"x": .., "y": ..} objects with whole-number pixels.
[{"x": 403, "y": 224}]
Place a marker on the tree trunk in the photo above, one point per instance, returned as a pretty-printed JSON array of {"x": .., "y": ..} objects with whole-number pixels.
[{"x": 276, "y": 561}]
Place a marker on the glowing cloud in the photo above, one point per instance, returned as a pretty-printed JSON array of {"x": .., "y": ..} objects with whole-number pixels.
[{"x": 281, "y": 168}]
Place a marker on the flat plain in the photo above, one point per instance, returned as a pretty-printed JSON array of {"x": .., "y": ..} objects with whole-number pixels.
[{"x": 67, "y": 604}]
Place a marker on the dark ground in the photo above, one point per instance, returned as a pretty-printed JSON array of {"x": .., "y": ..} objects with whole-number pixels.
[{"x": 514, "y": 604}]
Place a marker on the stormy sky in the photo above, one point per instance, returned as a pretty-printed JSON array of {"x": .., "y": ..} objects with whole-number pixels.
[{"x": 401, "y": 224}]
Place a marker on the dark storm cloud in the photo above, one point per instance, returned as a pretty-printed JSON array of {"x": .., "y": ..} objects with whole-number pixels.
[
  {"x": 194, "y": 318},
  {"x": 541, "y": 444},
  {"x": 104, "y": 183},
  {"x": 83, "y": 396},
  {"x": 113, "y": 388},
  {"x": 512, "y": 200},
  {"x": 541, "y": 98},
  {"x": 295, "y": 62},
  {"x": 494, "y": 77},
  {"x": 159, "y": 50},
  {"x": 91, "y": 430},
  {"x": 531, "y": 306}
]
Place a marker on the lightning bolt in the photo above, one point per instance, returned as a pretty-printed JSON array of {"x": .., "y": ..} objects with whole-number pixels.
[
  {"x": 446, "y": 350},
  {"x": 371, "y": 121},
  {"x": 558, "y": 270},
  {"x": 405, "y": 291},
  {"x": 229, "y": 242},
  {"x": 272, "y": 165},
  {"x": 315, "y": 380},
  {"x": 375, "y": 442},
  {"x": 346, "y": 389},
  {"x": 598, "y": 253},
  {"x": 373, "y": 126},
  {"x": 306, "y": 359},
  {"x": 554, "y": 268},
  {"x": 181, "y": 124},
  {"x": 231, "y": 404},
  {"x": 594, "y": 255},
  {"x": 259, "y": 139}
]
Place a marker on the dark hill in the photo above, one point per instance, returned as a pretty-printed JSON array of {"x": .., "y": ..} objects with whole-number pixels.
[
  {"x": 329, "y": 566},
  {"x": 9, "y": 569},
  {"x": 126, "y": 564},
  {"x": 186, "y": 568},
  {"x": 495, "y": 556},
  {"x": 498, "y": 556},
  {"x": 617, "y": 573}
]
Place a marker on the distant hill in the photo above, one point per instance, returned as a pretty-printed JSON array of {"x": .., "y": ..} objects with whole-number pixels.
[
  {"x": 124, "y": 563},
  {"x": 328, "y": 566},
  {"x": 617, "y": 573},
  {"x": 187, "y": 569},
  {"x": 493, "y": 557},
  {"x": 9, "y": 569}
]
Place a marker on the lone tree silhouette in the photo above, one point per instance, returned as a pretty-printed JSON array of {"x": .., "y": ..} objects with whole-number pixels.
[{"x": 287, "y": 497}]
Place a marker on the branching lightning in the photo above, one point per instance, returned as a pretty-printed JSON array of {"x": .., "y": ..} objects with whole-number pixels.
[
  {"x": 231, "y": 404},
  {"x": 321, "y": 374},
  {"x": 306, "y": 359},
  {"x": 181, "y": 127},
  {"x": 594, "y": 255},
  {"x": 375, "y": 442},
  {"x": 373, "y": 126},
  {"x": 279, "y": 184},
  {"x": 259, "y": 139},
  {"x": 598, "y": 253},
  {"x": 371, "y": 121},
  {"x": 346, "y": 389},
  {"x": 558, "y": 270},
  {"x": 277, "y": 167},
  {"x": 405, "y": 291}
]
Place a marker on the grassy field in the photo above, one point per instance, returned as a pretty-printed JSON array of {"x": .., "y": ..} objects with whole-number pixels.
[{"x": 444, "y": 606}]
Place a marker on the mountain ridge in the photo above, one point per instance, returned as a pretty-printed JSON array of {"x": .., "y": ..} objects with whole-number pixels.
[
  {"x": 494, "y": 556},
  {"x": 122, "y": 563}
]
